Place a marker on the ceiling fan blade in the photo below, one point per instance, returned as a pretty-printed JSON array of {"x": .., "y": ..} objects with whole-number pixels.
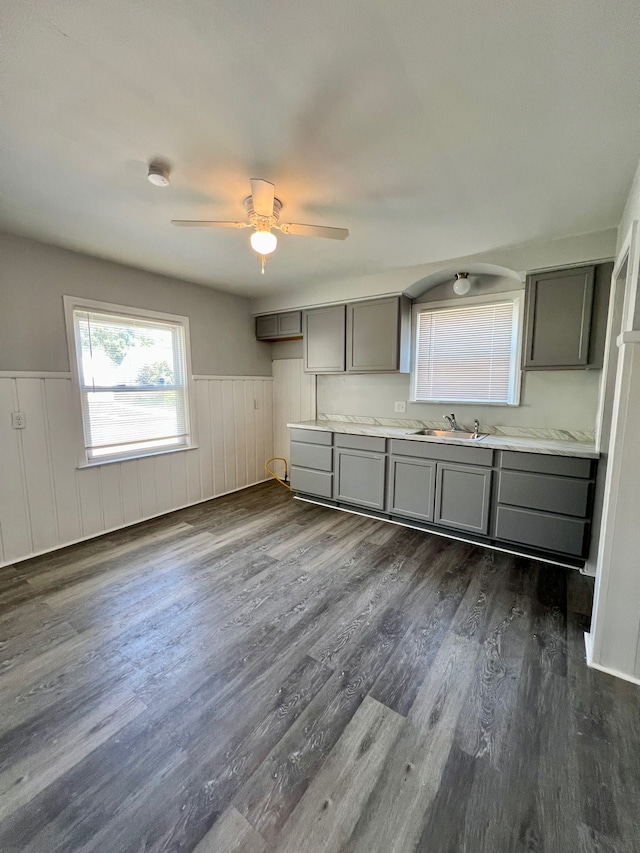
[
  {"x": 208, "y": 223},
  {"x": 313, "y": 231},
  {"x": 262, "y": 193}
]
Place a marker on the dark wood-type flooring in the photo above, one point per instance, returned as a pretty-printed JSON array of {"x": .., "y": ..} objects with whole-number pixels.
[{"x": 259, "y": 674}]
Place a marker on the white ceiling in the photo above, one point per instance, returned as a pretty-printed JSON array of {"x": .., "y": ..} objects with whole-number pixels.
[{"x": 431, "y": 130}]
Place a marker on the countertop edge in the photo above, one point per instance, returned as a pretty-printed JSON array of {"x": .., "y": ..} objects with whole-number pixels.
[{"x": 520, "y": 444}]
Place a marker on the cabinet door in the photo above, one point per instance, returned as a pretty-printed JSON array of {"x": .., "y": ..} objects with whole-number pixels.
[
  {"x": 558, "y": 321},
  {"x": 411, "y": 488},
  {"x": 373, "y": 335},
  {"x": 324, "y": 340},
  {"x": 290, "y": 324},
  {"x": 267, "y": 326},
  {"x": 359, "y": 478},
  {"x": 462, "y": 497}
]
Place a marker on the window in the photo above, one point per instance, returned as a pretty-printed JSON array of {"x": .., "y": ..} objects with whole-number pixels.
[
  {"x": 131, "y": 369},
  {"x": 468, "y": 353}
]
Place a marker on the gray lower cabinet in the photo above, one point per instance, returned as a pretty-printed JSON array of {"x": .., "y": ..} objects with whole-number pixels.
[
  {"x": 324, "y": 339},
  {"x": 463, "y": 493},
  {"x": 544, "y": 502},
  {"x": 541, "y": 503},
  {"x": 411, "y": 487},
  {"x": 543, "y": 530},
  {"x": 359, "y": 477},
  {"x": 312, "y": 462}
]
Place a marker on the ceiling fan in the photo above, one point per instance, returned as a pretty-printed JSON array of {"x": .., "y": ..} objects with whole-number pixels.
[{"x": 263, "y": 212}]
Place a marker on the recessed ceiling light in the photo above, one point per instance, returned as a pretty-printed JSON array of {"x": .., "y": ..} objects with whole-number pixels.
[{"x": 158, "y": 175}]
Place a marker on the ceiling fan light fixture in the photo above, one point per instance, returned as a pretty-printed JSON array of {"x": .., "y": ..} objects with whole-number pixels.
[{"x": 263, "y": 242}]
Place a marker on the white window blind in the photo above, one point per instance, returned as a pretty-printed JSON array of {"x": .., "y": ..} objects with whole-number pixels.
[
  {"x": 467, "y": 353},
  {"x": 133, "y": 384}
]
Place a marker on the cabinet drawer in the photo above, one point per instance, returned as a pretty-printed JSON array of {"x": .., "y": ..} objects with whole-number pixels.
[
  {"x": 318, "y": 483},
  {"x": 361, "y": 442},
  {"x": 443, "y": 452},
  {"x": 311, "y": 436},
  {"x": 317, "y": 456},
  {"x": 540, "y": 530},
  {"x": 541, "y": 491},
  {"x": 540, "y": 463}
]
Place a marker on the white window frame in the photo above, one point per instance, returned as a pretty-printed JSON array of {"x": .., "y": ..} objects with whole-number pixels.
[
  {"x": 515, "y": 296},
  {"x": 76, "y": 303}
]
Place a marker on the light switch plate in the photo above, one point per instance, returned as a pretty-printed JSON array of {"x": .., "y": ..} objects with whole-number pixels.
[{"x": 401, "y": 406}]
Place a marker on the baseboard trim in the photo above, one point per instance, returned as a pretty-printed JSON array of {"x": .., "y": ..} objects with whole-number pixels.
[
  {"x": 129, "y": 524},
  {"x": 588, "y": 644}
]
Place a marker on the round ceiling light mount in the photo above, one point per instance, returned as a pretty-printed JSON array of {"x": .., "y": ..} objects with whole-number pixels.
[
  {"x": 462, "y": 285},
  {"x": 158, "y": 174}
]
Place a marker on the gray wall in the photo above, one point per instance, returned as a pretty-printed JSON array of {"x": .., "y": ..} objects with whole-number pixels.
[
  {"x": 35, "y": 276},
  {"x": 631, "y": 210},
  {"x": 286, "y": 349},
  {"x": 553, "y": 399}
]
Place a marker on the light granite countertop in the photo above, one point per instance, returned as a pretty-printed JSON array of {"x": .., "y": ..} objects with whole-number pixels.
[{"x": 525, "y": 444}]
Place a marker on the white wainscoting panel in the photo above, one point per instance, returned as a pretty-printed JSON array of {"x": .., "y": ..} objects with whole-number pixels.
[
  {"x": 294, "y": 399},
  {"x": 46, "y": 501}
]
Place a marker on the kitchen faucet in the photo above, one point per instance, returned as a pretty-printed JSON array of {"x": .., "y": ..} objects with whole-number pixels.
[{"x": 453, "y": 423}]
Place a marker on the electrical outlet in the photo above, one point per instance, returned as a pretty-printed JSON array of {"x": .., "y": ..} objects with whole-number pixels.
[
  {"x": 18, "y": 420},
  {"x": 401, "y": 406}
]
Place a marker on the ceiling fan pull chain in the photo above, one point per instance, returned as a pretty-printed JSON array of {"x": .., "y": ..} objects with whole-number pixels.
[{"x": 262, "y": 260}]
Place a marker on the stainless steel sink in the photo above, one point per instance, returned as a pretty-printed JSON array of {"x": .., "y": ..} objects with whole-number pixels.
[{"x": 451, "y": 433}]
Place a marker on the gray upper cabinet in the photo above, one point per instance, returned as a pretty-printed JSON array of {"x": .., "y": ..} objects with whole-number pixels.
[
  {"x": 324, "y": 339},
  {"x": 378, "y": 335},
  {"x": 359, "y": 477},
  {"x": 373, "y": 336},
  {"x": 463, "y": 493},
  {"x": 273, "y": 327},
  {"x": 559, "y": 319}
]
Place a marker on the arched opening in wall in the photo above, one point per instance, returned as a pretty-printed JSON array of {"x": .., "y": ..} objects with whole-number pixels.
[{"x": 482, "y": 279}]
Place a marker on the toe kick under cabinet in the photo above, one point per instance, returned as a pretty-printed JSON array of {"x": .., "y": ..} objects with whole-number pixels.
[{"x": 530, "y": 503}]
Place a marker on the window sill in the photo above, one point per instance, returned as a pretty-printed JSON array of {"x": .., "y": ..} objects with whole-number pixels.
[
  {"x": 463, "y": 403},
  {"x": 96, "y": 463}
]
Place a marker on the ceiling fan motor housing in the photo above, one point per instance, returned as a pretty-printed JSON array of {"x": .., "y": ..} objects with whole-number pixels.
[{"x": 262, "y": 223}]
